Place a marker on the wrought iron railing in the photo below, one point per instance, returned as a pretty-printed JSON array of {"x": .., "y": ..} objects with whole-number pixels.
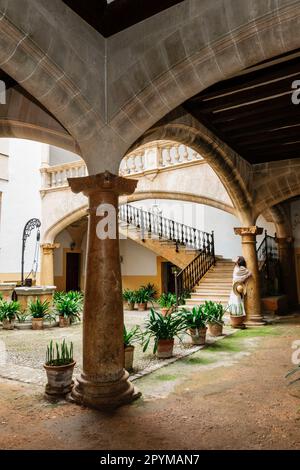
[
  {"x": 189, "y": 276},
  {"x": 180, "y": 234},
  {"x": 150, "y": 224},
  {"x": 269, "y": 266}
]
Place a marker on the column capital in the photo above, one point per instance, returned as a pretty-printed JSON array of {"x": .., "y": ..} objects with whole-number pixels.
[
  {"x": 252, "y": 230},
  {"x": 102, "y": 182},
  {"x": 49, "y": 247}
]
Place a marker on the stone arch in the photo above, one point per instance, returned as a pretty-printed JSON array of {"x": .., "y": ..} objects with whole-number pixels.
[
  {"x": 52, "y": 231},
  {"x": 275, "y": 183},
  {"x": 180, "y": 196},
  {"x": 234, "y": 172}
]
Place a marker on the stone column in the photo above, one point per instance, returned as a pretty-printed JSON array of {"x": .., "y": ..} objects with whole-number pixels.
[
  {"x": 253, "y": 305},
  {"x": 288, "y": 269},
  {"x": 104, "y": 381},
  {"x": 47, "y": 265}
]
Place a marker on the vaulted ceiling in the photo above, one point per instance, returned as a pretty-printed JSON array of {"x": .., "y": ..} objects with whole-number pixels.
[{"x": 110, "y": 17}]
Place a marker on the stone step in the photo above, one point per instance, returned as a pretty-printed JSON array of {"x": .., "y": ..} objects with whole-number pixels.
[{"x": 211, "y": 291}]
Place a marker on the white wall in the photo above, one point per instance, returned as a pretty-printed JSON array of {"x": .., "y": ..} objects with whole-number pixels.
[
  {"x": 21, "y": 201},
  {"x": 207, "y": 218},
  {"x": 57, "y": 156},
  {"x": 137, "y": 260}
]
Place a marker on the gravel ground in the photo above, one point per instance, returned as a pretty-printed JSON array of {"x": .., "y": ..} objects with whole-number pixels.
[{"x": 27, "y": 347}]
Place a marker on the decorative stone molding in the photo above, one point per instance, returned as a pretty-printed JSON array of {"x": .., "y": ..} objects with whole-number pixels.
[
  {"x": 102, "y": 182},
  {"x": 49, "y": 247},
  {"x": 253, "y": 230}
]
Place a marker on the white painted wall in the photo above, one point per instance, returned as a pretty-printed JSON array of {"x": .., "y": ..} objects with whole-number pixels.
[
  {"x": 137, "y": 260},
  {"x": 57, "y": 156},
  {"x": 21, "y": 201}
]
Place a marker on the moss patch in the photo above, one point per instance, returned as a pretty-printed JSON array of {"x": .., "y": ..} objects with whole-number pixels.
[
  {"x": 199, "y": 360},
  {"x": 166, "y": 377}
]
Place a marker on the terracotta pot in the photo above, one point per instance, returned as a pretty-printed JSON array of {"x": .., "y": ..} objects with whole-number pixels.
[
  {"x": 165, "y": 348},
  {"x": 130, "y": 305},
  {"x": 198, "y": 336},
  {"x": 237, "y": 321},
  {"x": 128, "y": 361},
  {"x": 64, "y": 321},
  {"x": 8, "y": 324},
  {"x": 142, "y": 307},
  {"x": 215, "y": 329},
  {"x": 59, "y": 379},
  {"x": 37, "y": 323},
  {"x": 166, "y": 311}
]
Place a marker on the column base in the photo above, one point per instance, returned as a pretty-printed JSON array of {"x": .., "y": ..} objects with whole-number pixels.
[
  {"x": 255, "y": 320},
  {"x": 104, "y": 395}
]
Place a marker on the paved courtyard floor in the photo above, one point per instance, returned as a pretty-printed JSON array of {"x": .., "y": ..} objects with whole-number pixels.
[{"x": 232, "y": 394}]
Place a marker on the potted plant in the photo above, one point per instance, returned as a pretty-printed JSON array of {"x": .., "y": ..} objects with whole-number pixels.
[
  {"x": 166, "y": 303},
  {"x": 39, "y": 310},
  {"x": 195, "y": 322},
  {"x": 141, "y": 298},
  {"x": 237, "y": 316},
  {"x": 23, "y": 323},
  {"x": 215, "y": 312},
  {"x": 129, "y": 296},
  {"x": 163, "y": 329},
  {"x": 59, "y": 368},
  {"x": 152, "y": 291},
  {"x": 68, "y": 308},
  {"x": 8, "y": 313},
  {"x": 129, "y": 337}
]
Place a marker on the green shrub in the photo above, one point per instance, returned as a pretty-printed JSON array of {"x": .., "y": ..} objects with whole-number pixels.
[
  {"x": 161, "y": 327},
  {"x": 9, "y": 310}
]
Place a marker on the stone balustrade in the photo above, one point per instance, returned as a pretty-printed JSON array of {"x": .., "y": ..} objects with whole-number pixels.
[{"x": 153, "y": 157}]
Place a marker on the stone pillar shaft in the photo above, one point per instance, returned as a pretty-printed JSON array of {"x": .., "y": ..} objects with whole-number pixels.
[
  {"x": 253, "y": 305},
  {"x": 47, "y": 268},
  {"x": 103, "y": 382},
  {"x": 288, "y": 269}
]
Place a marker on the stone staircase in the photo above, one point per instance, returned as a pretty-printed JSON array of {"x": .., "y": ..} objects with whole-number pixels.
[{"x": 215, "y": 285}]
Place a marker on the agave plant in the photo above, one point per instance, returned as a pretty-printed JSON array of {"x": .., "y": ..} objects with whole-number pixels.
[
  {"x": 194, "y": 319},
  {"x": 142, "y": 295},
  {"x": 39, "y": 309},
  {"x": 214, "y": 312},
  {"x": 68, "y": 307},
  {"x": 167, "y": 300},
  {"x": 161, "y": 327},
  {"x": 60, "y": 354},
  {"x": 9, "y": 310},
  {"x": 131, "y": 336},
  {"x": 151, "y": 289}
]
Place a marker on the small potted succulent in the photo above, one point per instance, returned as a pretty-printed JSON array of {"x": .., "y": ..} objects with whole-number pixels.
[
  {"x": 59, "y": 368},
  {"x": 8, "y": 313},
  {"x": 129, "y": 297},
  {"x": 39, "y": 311},
  {"x": 166, "y": 301},
  {"x": 195, "y": 321},
  {"x": 129, "y": 337},
  {"x": 142, "y": 297},
  {"x": 215, "y": 312},
  {"x": 68, "y": 308},
  {"x": 163, "y": 329}
]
